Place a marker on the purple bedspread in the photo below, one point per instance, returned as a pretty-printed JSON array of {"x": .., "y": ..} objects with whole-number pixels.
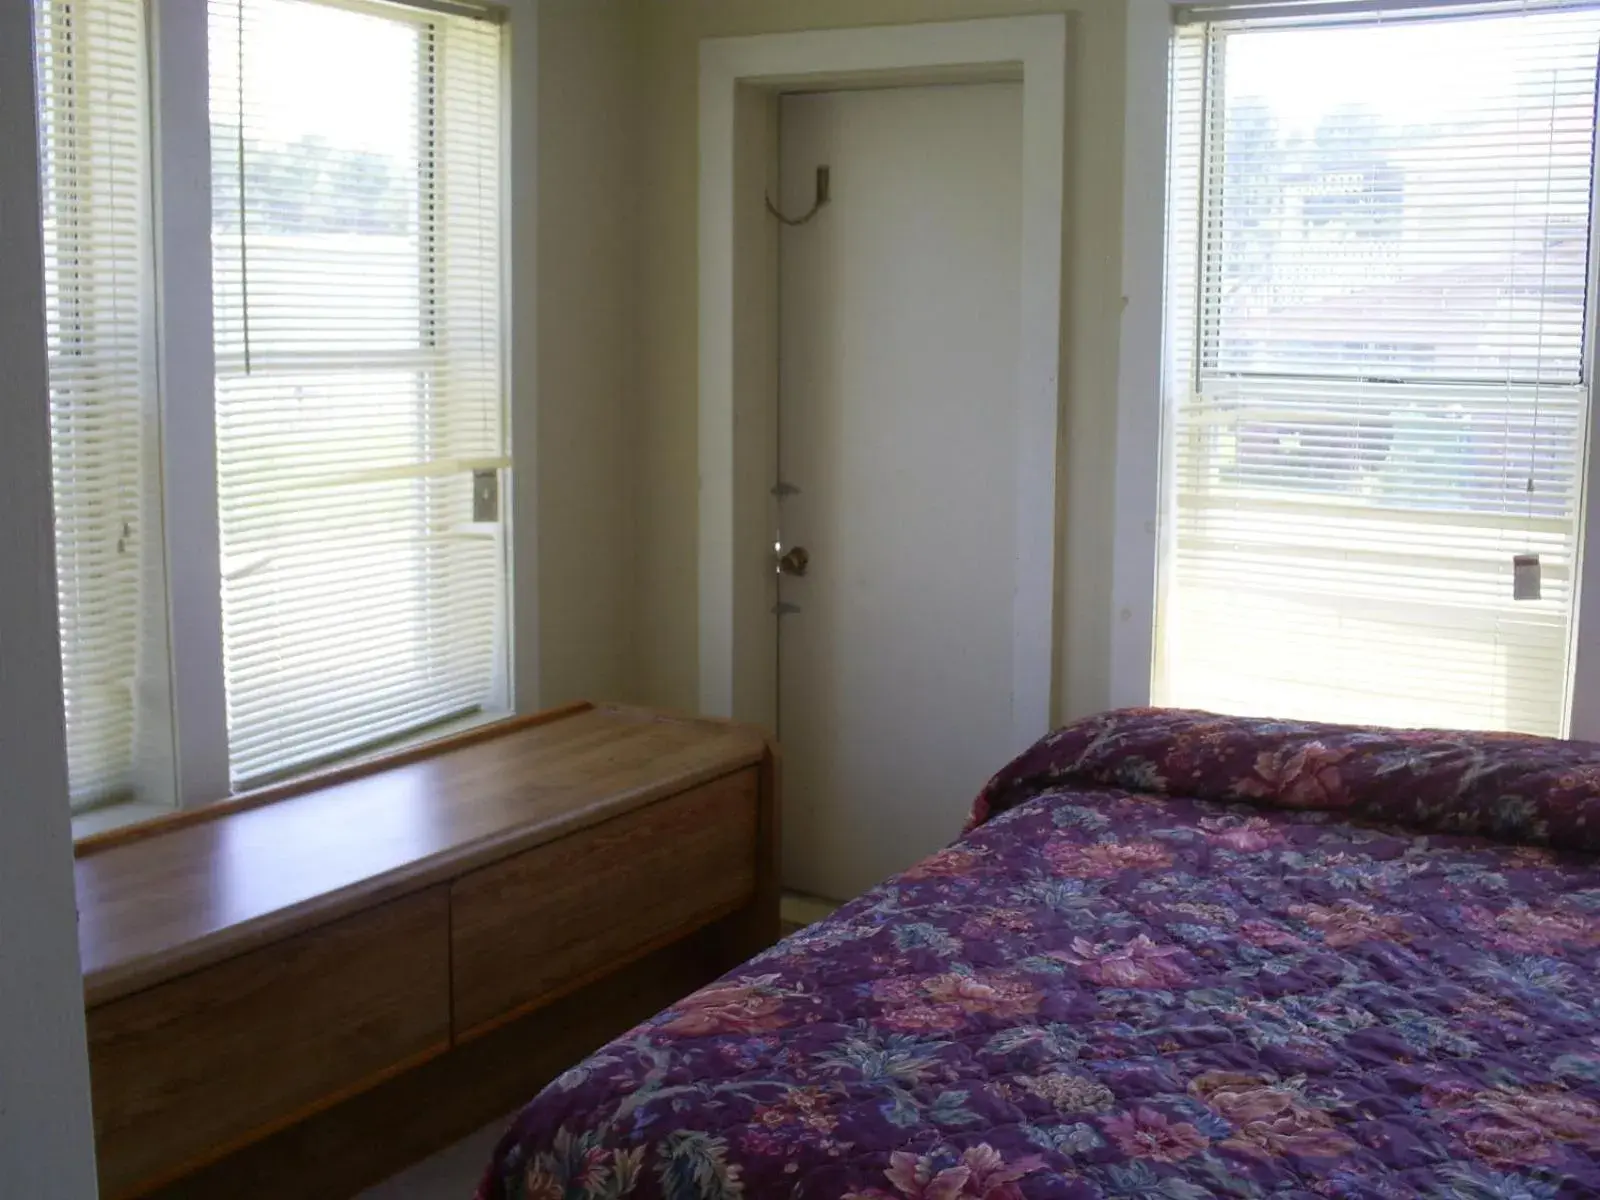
[{"x": 1179, "y": 956}]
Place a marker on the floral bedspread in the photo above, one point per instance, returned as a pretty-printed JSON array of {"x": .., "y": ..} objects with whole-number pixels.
[{"x": 1176, "y": 956}]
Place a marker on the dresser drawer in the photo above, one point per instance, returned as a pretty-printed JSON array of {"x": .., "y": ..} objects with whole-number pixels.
[
  {"x": 550, "y": 919},
  {"x": 190, "y": 1069}
]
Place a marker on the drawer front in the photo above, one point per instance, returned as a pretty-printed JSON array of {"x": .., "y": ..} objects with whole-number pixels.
[
  {"x": 547, "y": 920},
  {"x": 190, "y": 1069}
]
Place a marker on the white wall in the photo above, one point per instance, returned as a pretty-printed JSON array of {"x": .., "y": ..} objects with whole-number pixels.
[
  {"x": 587, "y": 440},
  {"x": 615, "y": 468},
  {"x": 46, "y": 1139},
  {"x": 667, "y": 370}
]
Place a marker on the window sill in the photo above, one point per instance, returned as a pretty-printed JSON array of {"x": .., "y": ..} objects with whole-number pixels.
[
  {"x": 116, "y": 816},
  {"x": 137, "y": 812}
]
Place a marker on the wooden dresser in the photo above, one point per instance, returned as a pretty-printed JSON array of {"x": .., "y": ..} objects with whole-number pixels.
[{"x": 298, "y": 991}]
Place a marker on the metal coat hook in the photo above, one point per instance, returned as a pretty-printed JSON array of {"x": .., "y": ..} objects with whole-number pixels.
[{"x": 816, "y": 206}]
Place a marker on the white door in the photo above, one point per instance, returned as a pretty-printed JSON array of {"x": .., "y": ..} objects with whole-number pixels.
[{"x": 898, "y": 425}]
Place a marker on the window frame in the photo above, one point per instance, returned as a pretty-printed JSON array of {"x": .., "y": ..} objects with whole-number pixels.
[
  {"x": 1583, "y": 654},
  {"x": 186, "y": 764}
]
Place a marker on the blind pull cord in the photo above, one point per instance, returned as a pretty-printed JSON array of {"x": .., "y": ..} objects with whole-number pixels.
[{"x": 1525, "y": 568}]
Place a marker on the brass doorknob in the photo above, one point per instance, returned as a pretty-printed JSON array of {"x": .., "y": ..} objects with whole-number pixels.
[{"x": 795, "y": 561}]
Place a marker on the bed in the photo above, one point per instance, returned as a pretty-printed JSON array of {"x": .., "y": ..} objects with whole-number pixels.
[{"x": 1174, "y": 956}]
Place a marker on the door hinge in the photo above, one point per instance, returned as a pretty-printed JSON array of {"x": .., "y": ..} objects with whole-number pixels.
[{"x": 784, "y": 609}]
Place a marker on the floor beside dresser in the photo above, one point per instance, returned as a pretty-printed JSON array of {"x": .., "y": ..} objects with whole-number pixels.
[
  {"x": 451, "y": 1174},
  {"x": 797, "y": 910}
]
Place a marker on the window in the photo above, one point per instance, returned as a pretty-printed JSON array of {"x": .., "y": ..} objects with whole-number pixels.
[
  {"x": 356, "y": 263},
  {"x": 1378, "y": 368},
  {"x": 94, "y": 166},
  {"x": 360, "y": 443}
]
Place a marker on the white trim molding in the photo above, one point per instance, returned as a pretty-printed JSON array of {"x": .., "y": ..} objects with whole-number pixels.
[
  {"x": 186, "y": 436},
  {"x": 1306, "y": 12},
  {"x": 1136, "y": 534},
  {"x": 46, "y": 1135},
  {"x": 1583, "y": 667},
  {"x": 521, "y": 223},
  {"x": 1033, "y": 47}
]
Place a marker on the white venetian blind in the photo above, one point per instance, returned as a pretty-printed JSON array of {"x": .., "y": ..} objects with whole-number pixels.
[
  {"x": 357, "y": 251},
  {"x": 1378, "y": 262},
  {"x": 95, "y": 177}
]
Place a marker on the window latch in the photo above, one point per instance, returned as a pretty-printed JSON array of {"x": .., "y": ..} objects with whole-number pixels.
[{"x": 486, "y": 496}]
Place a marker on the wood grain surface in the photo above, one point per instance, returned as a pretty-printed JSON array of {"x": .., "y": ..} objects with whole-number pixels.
[
  {"x": 534, "y": 925},
  {"x": 369, "y": 1137},
  {"x": 320, "y": 780},
  {"x": 185, "y": 1072},
  {"x": 758, "y": 924},
  {"x": 155, "y": 907},
  {"x": 308, "y": 974}
]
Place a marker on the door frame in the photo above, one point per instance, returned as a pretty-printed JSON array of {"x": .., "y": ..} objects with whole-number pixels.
[{"x": 740, "y": 81}]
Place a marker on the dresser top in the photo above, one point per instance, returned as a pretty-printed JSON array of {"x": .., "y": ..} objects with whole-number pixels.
[{"x": 198, "y": 889}]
